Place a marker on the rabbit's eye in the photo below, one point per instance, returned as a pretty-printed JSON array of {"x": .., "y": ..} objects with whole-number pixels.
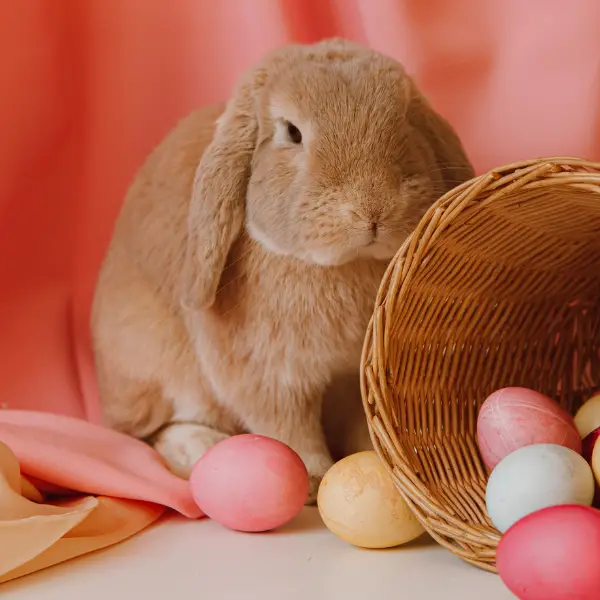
[{"x": 294, "y": 133}]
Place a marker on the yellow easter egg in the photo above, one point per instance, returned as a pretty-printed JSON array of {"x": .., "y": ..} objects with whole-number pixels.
[
  {"x": 359, "y": 503},
  {"x": 588, "y": 416}
]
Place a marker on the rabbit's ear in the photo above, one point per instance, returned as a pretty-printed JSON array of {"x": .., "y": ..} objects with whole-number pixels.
[
  {"x": 217, "y": 207},
  {"x": 449, "y": 154}
]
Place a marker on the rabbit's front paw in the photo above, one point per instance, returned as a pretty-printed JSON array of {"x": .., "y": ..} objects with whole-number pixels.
[
  {"x": 182, "y": 444},
  {"x": 317, "y": 465}
]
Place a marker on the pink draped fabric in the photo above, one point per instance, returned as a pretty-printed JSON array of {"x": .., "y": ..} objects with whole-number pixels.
[{"x": 87, "y": 87}]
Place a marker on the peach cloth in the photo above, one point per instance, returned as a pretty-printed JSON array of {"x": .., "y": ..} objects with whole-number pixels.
[
  {"x": 125, "y": 482},
  {"x": 36, "y": 533},
  {"x": 88, "y": 87}
]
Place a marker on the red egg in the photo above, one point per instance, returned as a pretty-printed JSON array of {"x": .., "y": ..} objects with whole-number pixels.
[
  {"x": 589, "y": 444},
  {"x": 587, "y": 451},
  {"x": 514, "y": 417},
  {"x": 553, "y": 554},
  {"x": 589, "y": 441},
  {"x": 250, "y": 483}
]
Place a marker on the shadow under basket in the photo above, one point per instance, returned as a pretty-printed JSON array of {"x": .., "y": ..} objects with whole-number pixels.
[{"x": 498, "y": 286}]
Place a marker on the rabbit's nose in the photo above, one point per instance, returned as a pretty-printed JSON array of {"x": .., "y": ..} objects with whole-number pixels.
[
  {"x": 367, "y": 217},
  {"x": 368, "y": 214}
]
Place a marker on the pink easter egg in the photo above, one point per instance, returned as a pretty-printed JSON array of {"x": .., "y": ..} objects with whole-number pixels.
[
  {"x": 250, "y": 483},
  {"x": 552, "y": 554},
  {"x": 514, "y": 417}
]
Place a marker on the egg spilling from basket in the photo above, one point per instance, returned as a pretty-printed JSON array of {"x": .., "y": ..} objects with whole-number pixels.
[
  {"x": 552, "y": 554},
  {"x": 515, "y": 417},
  {"x": 535, "y": 477}
]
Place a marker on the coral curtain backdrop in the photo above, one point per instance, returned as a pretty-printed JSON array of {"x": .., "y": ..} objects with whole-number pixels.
[{"x": 89, "y": 86}]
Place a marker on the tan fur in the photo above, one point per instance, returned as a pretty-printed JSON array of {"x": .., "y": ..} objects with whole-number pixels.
[{"x": 242, "y": 270}]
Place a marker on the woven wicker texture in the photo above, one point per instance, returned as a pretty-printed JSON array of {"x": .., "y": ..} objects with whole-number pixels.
[{"x": 498, "y": 286}]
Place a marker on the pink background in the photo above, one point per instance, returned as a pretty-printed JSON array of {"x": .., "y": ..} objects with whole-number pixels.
[{"x": 87, "y": 87}]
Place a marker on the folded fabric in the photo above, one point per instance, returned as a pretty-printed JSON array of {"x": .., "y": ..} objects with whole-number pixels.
[
  {"x": 73, "y": 454},
  {"x": 35, "y": 534}
]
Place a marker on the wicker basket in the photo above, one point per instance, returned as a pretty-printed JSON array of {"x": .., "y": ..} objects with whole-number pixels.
[{"x": 498, "y": 286}]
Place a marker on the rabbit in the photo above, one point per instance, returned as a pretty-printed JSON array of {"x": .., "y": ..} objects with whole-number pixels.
[{"x": 244, "y": 264}]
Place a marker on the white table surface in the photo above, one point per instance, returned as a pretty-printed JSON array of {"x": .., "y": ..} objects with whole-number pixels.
[{"x": 181, "y": 559}]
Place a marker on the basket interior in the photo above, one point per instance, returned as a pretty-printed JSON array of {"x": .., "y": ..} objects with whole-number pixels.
[{"x": 504, "y": 292}]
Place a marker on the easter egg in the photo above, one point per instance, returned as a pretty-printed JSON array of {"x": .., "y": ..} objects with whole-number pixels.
[
  {"x": 359, "y": 503},
  {"x": 552, "y": 554},
  {"x": 514, "y": 417},
  {"x": 250, "y": 483},
  {"x": 587, "y": 418},
  {"x": 589, "y": 443},
  {"x": 535, "y": 477},
  {"x": 595, "y": 462},
  {"x": 587, "y": 421}
]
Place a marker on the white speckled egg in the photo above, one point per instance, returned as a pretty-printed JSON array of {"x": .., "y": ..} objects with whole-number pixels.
[{"x": 536, "y": 477}]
